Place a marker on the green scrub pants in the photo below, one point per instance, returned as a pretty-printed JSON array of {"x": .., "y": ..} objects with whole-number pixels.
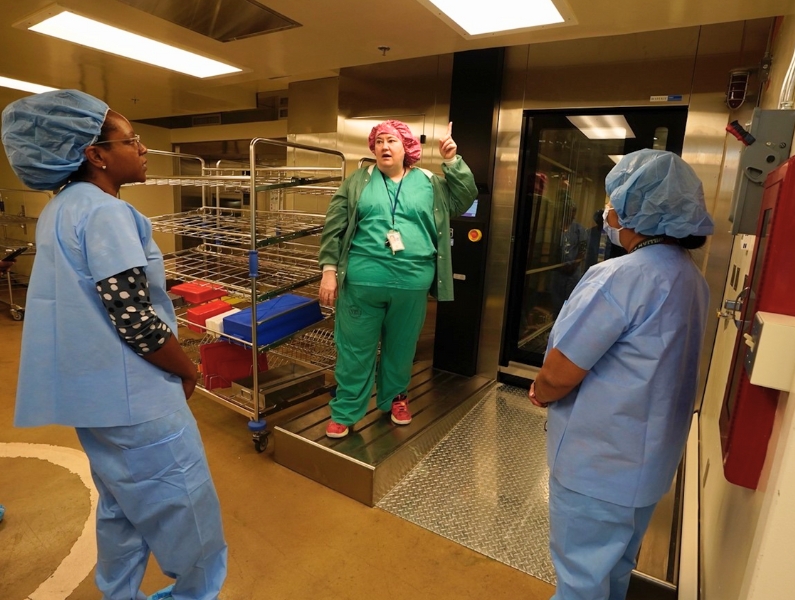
[{"x": 365, "y": 314}]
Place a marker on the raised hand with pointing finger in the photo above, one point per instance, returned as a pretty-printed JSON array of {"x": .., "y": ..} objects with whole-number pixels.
[{"x": 447, "y": 145}]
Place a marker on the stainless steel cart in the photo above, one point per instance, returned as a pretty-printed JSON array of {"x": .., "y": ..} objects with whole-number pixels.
[
  {"x": 256, "y": 253},
  {"x": 17, "y": 230}
]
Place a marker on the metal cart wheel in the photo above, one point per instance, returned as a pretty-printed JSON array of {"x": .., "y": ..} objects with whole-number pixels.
[
  {"x": 261, "y": 441},
  {"x": 17, "y": 315},
  {"x": 259, "y": 435}
]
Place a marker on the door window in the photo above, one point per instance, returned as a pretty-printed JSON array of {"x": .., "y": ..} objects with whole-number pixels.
[{"x": 558, "y": 230}]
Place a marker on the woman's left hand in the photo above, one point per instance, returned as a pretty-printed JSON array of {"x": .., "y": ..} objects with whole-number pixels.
[
  {"x": 447, "y": 146},
  {"x": 189, "y": 385},
  {"x": 532, "y": 395}
]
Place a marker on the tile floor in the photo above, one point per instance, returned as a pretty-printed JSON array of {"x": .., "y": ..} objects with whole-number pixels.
[{"x": 289, "y": 538}]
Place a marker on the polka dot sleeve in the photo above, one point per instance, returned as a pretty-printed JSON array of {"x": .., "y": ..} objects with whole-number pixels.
[{"x": 126, "y": 298}]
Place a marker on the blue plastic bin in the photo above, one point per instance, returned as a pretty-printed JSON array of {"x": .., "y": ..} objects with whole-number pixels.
[{"x": 277, "y": 318}]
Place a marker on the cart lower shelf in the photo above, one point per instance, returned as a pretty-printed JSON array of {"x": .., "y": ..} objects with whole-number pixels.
[{"x": 298, "y": 370}]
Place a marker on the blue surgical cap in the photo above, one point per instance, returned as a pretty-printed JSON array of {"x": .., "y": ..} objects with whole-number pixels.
[
  {"x": 45, "y": 135},
  {"x": 657, "y": 193}
]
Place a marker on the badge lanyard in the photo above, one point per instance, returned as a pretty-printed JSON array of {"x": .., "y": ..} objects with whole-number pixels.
[
  {"x": 393, "y": 205},
  {"x": 393, "y": 239}
]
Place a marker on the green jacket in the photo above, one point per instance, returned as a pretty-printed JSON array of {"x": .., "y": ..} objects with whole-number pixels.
[{"x": 451, "y": 197}]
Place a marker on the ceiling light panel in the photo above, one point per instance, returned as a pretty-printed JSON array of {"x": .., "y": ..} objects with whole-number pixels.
[
  {"x": 93, "y": 34},
  {"x": 603, "y": 127},
  {"x": 25, "y": 86},
  {"x": 494, "y": 17}
]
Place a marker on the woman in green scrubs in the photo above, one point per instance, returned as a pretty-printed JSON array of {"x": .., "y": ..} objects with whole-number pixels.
[{"x": 385, "y": 246}]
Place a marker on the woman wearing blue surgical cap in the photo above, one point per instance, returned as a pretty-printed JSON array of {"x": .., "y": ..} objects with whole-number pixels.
[
  {"x": 99, "y": 351},
  {"x": 620, "y": 375}
]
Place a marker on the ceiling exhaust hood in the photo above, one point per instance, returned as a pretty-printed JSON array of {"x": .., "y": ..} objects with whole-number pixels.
[{"x": 222, "y": 20}]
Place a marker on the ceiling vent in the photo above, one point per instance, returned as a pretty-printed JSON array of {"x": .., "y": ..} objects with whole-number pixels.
[
  {"x": 211, "y": 119},
  {"x": 276, "y": 104},
  {"x": 222, "y": 20}
]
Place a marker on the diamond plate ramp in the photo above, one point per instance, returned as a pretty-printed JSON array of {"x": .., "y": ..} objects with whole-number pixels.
[
  {"x": 377, "y": 454},
  {"x": 485, "y": 485}
]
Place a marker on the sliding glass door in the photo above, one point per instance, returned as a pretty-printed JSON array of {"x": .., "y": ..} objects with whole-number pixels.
[{"x": 558, "y": 221}]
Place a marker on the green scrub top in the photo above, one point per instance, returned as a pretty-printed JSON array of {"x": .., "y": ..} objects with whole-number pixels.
[{"x": 371, "y": 260}]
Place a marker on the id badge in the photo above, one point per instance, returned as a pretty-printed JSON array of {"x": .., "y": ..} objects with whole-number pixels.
[{"x": 395, "y": 242}]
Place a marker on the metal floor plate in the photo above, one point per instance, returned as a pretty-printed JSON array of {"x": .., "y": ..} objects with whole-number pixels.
[{"x": 485, "y": 485}]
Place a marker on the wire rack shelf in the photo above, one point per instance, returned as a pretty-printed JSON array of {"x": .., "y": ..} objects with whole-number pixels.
[
  {"x": 232, "y": 227},
  {"x": 281, "y": 269},
  {"x": 6, "y": 219},
  {"x": 312, "y": 348},
  {"x": 8, "y": 244},
  {"x": 303, "y": 180}
]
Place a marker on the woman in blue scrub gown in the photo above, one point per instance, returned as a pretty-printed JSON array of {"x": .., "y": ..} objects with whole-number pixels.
[
  {"x": 620, "y": 375},
  {"x": 100, "y": 353}
]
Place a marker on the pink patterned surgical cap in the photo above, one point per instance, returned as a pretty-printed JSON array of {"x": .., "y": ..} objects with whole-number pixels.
[{"x": 400, "y": 130}]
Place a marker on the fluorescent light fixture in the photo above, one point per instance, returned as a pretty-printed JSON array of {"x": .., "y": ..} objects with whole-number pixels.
[
  {"x": 25, "y": 86},
  {"x": 87, "y": 32},
  {"x": 603, "y": 127},
  {"x": 479, "y": 17}
]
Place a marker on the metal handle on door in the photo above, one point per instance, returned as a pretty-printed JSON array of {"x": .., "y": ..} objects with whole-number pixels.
[{"x": 731, "y": 307}]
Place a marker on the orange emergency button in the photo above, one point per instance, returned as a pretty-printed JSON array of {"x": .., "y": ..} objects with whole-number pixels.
[{"x": 475, "y": 235}]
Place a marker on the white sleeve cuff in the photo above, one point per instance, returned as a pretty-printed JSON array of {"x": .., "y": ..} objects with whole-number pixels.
[
  {"x": 329, "y": 268},
  {"x": 450, "y": 161}
]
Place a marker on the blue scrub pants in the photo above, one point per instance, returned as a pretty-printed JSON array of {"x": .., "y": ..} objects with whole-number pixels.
[
  {"x": 155, "y": 493},
  {"x": 594, "y": 544},
  {"x": 364, "y": 315}
]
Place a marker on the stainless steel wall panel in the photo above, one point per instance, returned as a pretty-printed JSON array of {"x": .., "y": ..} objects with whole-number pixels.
[
  {"x": 617, "y": 49},
  {"x": 312, "y": 106},
  {"x": 622, "y": 71},
  {"x": 506, "y": 170},
  {"x": 714, "y": 156},
  {"x": 611, "y": 85},
  {"x": 713, "y": 153},
  {"x": 403, "y": 87},
  {"x": 312, "y": 121},
  {"x": 415, "y": 91}
]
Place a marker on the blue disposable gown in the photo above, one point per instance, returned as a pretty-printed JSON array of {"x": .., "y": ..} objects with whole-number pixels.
[
  {"x": 74, "y": 368},
  {"x": 146, "y": 455},
  {"x": 636, "y": 324}
]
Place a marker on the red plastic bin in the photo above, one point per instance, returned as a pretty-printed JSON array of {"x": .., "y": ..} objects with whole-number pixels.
[
  {"x": 198, "y": 291},
  {"x": 223, "y": 363},
  {"x": 198, "y": 315}
]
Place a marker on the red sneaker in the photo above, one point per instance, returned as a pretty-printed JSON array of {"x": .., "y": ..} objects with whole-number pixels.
[
  {"x": 336, "y": 430},
  {"x": 400, "y": 410}
]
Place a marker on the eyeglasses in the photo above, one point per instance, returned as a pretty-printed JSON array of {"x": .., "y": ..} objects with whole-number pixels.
[{"x": 135, "y": 140}]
